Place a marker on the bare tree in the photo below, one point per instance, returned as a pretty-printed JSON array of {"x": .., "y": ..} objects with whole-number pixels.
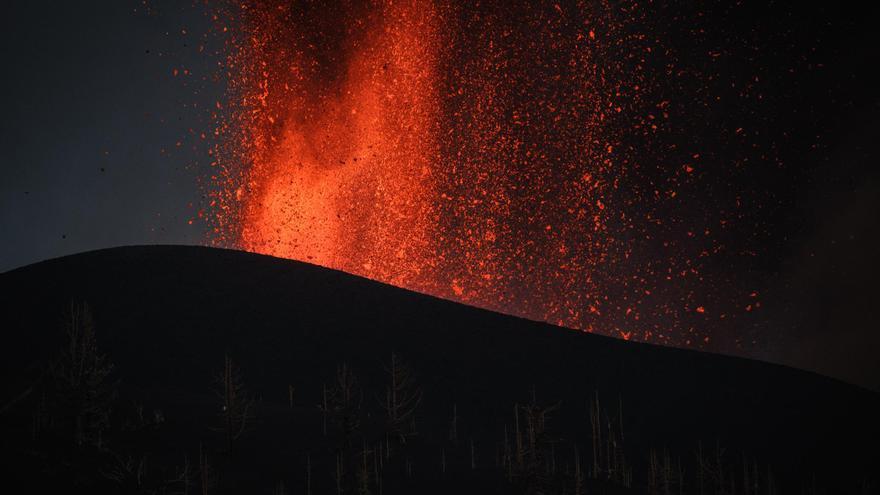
[
  {"x": 363, "y": 474},
  {"x": 402, "y": 398},
  {"x": 473, "y": 456},
  {"x": 183, "y": 479},
  {"x": 453, "y": 424},
  {"x": 609, "y": 461},
  {"x": 711, "y": 469},
  {"x": 535, "y": 450},
  {"x": 235, "y": 403},
  {"x": 339, "y": 475},
  {"x": 342, "y": 402},
  {"x": 308, "y": 474},
  {"x": 82, "y": 392},
  {"x": 128, "y": 473},
  {"x": 206, "y": 474}
]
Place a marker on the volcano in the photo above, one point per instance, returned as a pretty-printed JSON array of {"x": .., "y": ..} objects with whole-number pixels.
[{"x": 615, "y": 416}]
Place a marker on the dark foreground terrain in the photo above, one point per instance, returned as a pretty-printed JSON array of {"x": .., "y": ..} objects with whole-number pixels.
[{"x": 313, "y": 402}]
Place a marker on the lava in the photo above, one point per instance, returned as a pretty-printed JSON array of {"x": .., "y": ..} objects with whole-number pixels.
[
  {"x": 522, "y": 158},
  {"x": 341, "y": 165}
]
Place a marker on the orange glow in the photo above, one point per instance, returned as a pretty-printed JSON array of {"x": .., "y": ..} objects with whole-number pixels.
[
  {"x": 449, "y": 149},
  {"x": 341, "y": 176}
]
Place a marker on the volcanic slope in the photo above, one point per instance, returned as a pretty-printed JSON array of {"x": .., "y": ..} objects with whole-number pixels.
[{"x": 166, "y": 316}]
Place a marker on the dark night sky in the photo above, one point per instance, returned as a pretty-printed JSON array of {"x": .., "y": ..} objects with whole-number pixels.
[
  {"x": 89, "y": 104},
  {"x": 92, "y": 115}
]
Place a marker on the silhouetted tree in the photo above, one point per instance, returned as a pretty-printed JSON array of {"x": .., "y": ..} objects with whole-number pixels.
[
  {"x": 453, "y": 424},
  {"x": 81, "y": 392},
  {"x": 183, "y": 479},
  {"x": 128, "y": 473},
  {"x": 206, "y": 473},
  {"x": 710, "y": 470},
  {"x": 536, "y": 448},
  {"x": 339, "y": 474},
  {"x": 363, "y": 474},
  {"x": 402, "y": 398},
  {"x": 235, "y": 403},
  {"x": 342, "y": 403}
]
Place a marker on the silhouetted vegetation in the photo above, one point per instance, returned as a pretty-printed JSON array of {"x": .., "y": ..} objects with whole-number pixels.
[
  {"x": 364, "y": 450},
  {"x": 402, "y": 398},
  {"x": 114, "y": 405},
  {"x": 79, "y": 392},
  {"x": 235, "y": 403}
]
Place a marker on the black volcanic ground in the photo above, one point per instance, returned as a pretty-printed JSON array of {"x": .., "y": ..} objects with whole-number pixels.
[{"x": 166, "y": 316}]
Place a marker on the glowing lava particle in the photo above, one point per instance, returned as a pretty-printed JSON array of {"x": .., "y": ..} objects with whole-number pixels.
[{"x": 523, "y": 158}]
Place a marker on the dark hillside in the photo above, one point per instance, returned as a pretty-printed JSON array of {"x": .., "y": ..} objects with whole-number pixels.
[{"x": 166, "y": 316}]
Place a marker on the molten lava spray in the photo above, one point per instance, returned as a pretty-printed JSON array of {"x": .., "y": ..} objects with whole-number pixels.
[
  {"x": 341, "y": 162},
  {"x": 513, "y": 157}
]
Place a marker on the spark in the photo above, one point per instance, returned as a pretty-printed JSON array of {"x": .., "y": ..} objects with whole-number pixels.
[{"x": 516, "y": 159}]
